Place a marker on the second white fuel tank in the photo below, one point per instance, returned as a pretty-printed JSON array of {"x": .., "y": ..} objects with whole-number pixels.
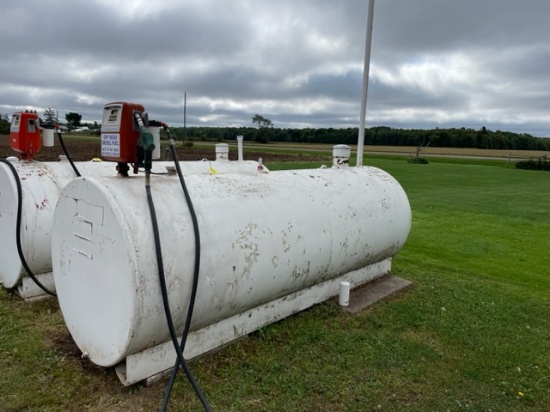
[{"x": 41, "y": 184}]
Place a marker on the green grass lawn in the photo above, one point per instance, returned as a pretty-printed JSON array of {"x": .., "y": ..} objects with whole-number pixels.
[{"x": 473, "y": 333}]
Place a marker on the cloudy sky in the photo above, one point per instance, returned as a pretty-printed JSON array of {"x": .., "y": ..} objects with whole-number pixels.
[{"x": 434, "y": 63}]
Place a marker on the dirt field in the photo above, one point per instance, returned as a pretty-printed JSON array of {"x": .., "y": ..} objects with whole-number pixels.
[{"x": 82, "y": 150}]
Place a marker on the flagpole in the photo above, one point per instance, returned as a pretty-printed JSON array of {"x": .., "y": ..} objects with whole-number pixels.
[{"x": 366, "y": 68}]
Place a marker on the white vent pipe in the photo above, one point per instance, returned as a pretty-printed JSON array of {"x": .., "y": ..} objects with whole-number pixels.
[
  {"x": 240, "y": 147},
  {"x": 343, "y": 297}
]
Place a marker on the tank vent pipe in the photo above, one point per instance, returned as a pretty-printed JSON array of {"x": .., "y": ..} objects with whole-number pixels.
[
  {"x": 260, "y": 165},
  {"x": 240, "y": 147}
]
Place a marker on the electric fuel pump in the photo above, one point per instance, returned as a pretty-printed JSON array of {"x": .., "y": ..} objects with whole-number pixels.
[
  {"x": 25, "y": 134},
  {"x": 125, "y": 137}
]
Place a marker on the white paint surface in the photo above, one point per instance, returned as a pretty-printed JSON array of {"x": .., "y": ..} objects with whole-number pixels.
[
  {"x": 41, "y": 184},
  {"x": 263, "y": 237}
]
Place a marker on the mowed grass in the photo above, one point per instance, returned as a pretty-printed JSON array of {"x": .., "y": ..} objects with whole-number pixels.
[{"x": 473, "y": 333}]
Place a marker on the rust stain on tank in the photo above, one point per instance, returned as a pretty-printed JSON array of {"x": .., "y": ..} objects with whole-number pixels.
[{"x": 42, "y": 205}]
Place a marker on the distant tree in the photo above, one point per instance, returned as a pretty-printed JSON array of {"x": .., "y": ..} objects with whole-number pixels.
[
  {"x": 262, "y": 121},
  {"x": 263, "y": 125},
  {"x": 50, "y": 116},
  {"x": 73, "y": 120},
  {"x": 4, "y": 124},
  {"x": 419, "y": 148}
]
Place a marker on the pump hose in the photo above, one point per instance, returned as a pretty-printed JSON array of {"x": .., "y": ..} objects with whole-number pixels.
[
  {"x": 18, "y": 228},
  {"x": 195, "y": 271},
  {"x": 179, "y": 348},
  {"x": 164, "y": 291},
  {"x": 67, "y": 153}
]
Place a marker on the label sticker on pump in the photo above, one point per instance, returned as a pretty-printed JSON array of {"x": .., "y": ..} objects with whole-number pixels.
[{"x": 110, "y": 144}]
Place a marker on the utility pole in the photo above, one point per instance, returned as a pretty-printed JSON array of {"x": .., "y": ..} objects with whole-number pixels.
[{"x": 184, "y": 116}]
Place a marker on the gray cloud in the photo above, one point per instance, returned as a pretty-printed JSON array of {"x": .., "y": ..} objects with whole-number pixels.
[{"x": 442, "y": 63}]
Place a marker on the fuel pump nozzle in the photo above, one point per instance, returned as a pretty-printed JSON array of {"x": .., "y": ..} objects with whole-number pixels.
[{"x": 145, "y": 144}]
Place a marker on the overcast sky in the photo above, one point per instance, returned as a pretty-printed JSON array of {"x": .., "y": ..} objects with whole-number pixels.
[{"x": 434, "y": 63}]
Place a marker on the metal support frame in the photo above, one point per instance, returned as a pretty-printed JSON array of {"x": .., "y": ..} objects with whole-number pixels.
[
  {"x": 29, "y": 290},
  {"x": 155, "y": 360}
]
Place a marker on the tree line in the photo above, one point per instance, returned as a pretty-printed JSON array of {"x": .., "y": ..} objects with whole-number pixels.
[{"x": 379, "y": 135}]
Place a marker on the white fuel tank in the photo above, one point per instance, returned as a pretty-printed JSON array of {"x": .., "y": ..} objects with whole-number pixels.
[
  {"x": 41, "y": 184},
  {"x": 263, "y": 236}
]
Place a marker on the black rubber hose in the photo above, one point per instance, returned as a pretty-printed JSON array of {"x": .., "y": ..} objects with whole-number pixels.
[
  {"x": 60, "y": 137},
  {"x": 195, "y": 271},
  {"x": 18, "y": 228},
  {"x": 164, "y": 291}
]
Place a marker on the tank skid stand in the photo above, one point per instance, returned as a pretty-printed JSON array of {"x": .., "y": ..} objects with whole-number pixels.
[
  {"x": 152, "y": 361},
  {"x": 29, "y": 290}
]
